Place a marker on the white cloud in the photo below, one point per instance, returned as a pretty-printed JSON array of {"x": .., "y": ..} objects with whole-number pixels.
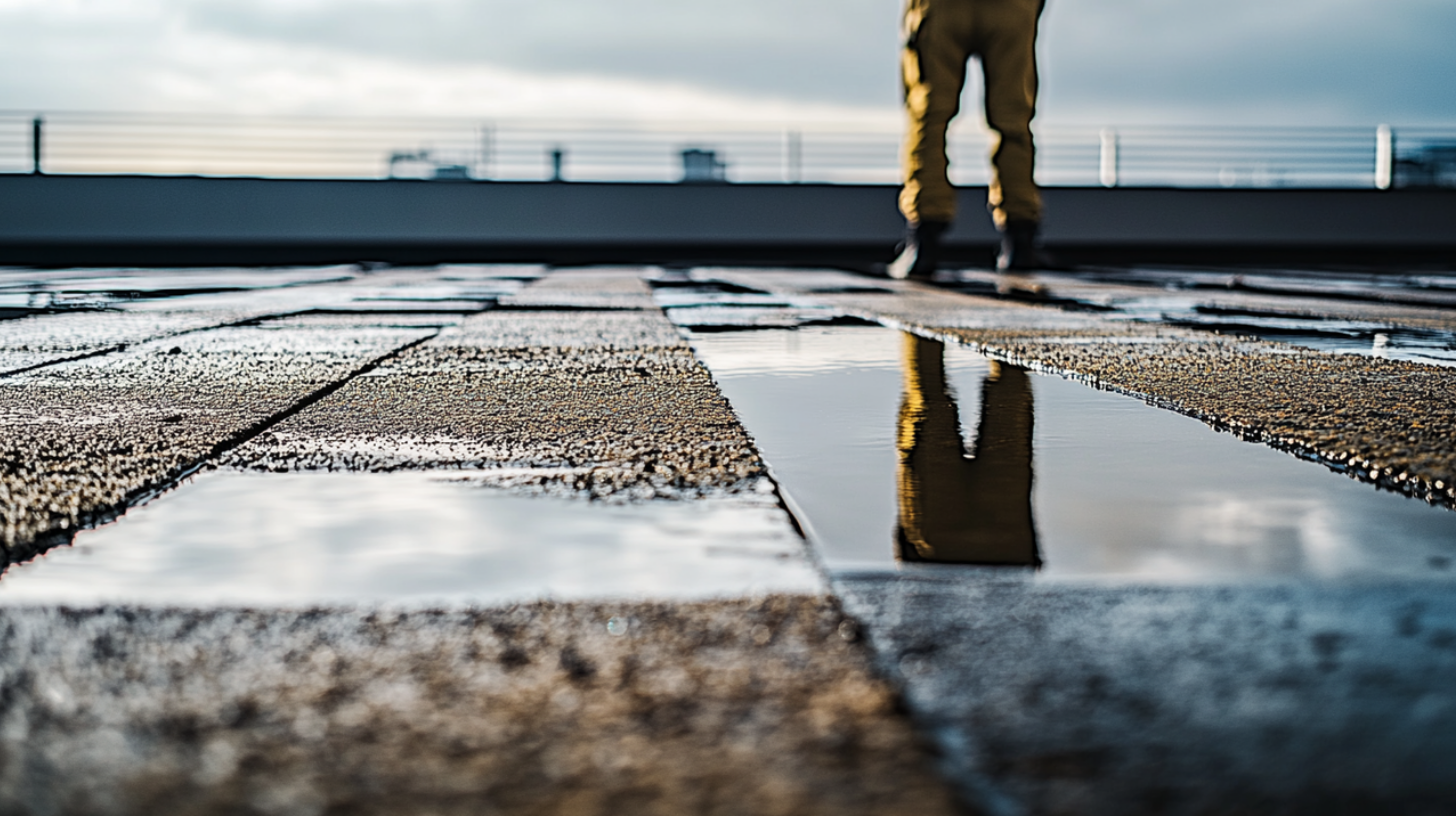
[{"x": 1291, "y": 62}]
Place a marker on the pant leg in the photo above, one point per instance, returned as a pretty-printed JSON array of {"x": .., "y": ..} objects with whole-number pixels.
[
  {"x": 1006, "y": 41},
  {"x": 954, "y": 508},
  {"x": 933, "y": 69}
]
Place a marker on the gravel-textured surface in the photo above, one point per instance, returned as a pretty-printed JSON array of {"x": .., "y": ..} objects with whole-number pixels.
[
  {"x": 608, "y": 403},
  {"x": 733, "y": 707},
  {"x": 1105, "y": 699},
  {"x": 1043, "y": 697},
  {"x": 578, "y": 383},
  {"x": 80, "y": 440},
  {"x": 599, "y": 288}
]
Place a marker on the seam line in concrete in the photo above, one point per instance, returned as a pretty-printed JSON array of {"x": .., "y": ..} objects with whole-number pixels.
[
  {"x": 245, "y": 322},
  {"x": 147, "y": 492}
]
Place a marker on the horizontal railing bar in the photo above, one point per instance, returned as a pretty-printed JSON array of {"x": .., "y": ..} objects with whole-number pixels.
[{"x": 361, "y": 147}]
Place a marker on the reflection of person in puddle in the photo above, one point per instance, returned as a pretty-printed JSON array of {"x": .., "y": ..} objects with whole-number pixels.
[{"x": 956, "y": 508}]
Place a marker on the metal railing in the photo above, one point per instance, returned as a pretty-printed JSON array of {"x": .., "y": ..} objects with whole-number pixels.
[{"x": 865, "y": 152}]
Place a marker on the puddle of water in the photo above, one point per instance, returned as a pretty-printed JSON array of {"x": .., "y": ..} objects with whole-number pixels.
[
  {"x": 411, "y": 539},
  {"x": 742, "y": 318},
  {"x": 69, "y": 290},
  {"x": 712, "y": 295},
  {"x": 864, "y": 429},
  {"x": 708, "y": 305}
]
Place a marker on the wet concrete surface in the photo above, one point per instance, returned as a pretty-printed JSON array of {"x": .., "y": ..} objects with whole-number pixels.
[
  {"x": 51, "y": 317},
  {"x": 417, "y": 540},
  {"x": 194, "y": 684},
  {"x": 862, "y": 459},
  {"x": 1384, "y": 421},
  {"x": 1057, "y": 699},
  {"x": 1392, "y": 317},
  {"x": 602, "y": 403},
  {"x": 1021, "y": 694},
  {"x": 81, "y": 440},
  {"x": 1215, "y": 695},
  {"x": 739, "y": 706}
]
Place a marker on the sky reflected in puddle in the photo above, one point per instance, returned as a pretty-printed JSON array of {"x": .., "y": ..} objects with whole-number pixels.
[
  {"x": 411, "y": 539},
  {"x": 856, "y": 425}
]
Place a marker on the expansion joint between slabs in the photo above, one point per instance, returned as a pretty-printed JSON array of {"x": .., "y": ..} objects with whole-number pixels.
[
  {"x": 86, "y": 356},
  {"x": 145, "y": 494},
  {"x": 120, "y": 347}
]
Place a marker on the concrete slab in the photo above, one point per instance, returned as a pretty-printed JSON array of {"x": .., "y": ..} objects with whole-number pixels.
[
  {"x": 166, "y": 703},
  {"x": 1221, "y": 695},
  {"x": 747, "y": 706},
  {"x": 553, "y": 398},
  {"x": 81, "y": 440},
  {"x": 1093, "y": 699},
  {"x": 1072, "y": 697}
]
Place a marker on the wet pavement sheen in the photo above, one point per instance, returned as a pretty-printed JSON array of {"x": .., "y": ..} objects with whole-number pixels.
[
  {"x": 1111, "y": 488},
  {"x": 416, "y": 540},
  {"x": 519, "y": 540}
]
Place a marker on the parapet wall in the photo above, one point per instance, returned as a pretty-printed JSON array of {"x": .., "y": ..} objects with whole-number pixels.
[{"x": 166, "y": 220}]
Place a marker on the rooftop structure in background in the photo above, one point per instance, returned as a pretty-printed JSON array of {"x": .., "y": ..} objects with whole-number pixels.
[
  {"x": 861, "y": 152},
  {"x": 703, "y": 166},
  {"x": 1433, "y": 164}
]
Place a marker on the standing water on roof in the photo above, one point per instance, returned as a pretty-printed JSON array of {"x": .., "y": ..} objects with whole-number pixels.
[
  {"x": 894, "y": 449},
  {"x": 412, "y": 540}
]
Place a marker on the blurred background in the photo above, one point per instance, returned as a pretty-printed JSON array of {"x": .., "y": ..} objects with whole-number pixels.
[{"x": 1136, "y": 92}]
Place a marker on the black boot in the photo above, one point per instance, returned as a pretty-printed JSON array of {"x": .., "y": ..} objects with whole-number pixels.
[
  {"x": 1020, "y": 248},
  {"x": 920, "y": 252}
]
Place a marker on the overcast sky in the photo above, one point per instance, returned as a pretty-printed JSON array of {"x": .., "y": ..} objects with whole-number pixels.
[{"x": 1356, "y": 62}]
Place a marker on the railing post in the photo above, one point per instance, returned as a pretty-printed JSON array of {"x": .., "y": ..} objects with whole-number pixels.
[
  {"x": 1107, "y": 166},
  {"x": 558, "y": 158},
  {"x": 487, "y": 152},
  {"x": 794, "y": 154},
  {"x": 37, "y": 132},
  {"x": 1384, "y": 157}
]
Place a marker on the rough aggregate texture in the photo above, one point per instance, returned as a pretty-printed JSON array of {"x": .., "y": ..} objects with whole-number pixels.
[
  {"x": 758, "y": 706},
  {"x": 47, "y": 339},
  {"x": 601, "y": 288},
  {"x": 749, "y": 706},
  {"x": 147, "y": 308},
  {"x": 1439, "y": 315},
  {"x": 1096, "y": 699},
  {"x": 608, "y": 403},
  {"x": 80, "y": 439}
]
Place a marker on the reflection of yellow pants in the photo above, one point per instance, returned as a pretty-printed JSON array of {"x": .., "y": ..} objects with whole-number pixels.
[
  {"x": 940, "y": 36},
  {"x": 954, "y": 508}
]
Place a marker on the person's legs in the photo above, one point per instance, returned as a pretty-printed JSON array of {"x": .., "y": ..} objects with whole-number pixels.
[
  {"x": 955, "y": 508},
  {"x": 1006, "y": 43},
  {"x": 933, "y": 69}
]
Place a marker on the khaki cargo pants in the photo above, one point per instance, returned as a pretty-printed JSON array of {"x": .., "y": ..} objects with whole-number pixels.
[
  {"x": 958, "y": 508},
  {"x": 940, "y": 37}
]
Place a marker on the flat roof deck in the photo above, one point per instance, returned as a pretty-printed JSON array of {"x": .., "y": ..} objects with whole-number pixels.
[{"x": 216, "y": 593}]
